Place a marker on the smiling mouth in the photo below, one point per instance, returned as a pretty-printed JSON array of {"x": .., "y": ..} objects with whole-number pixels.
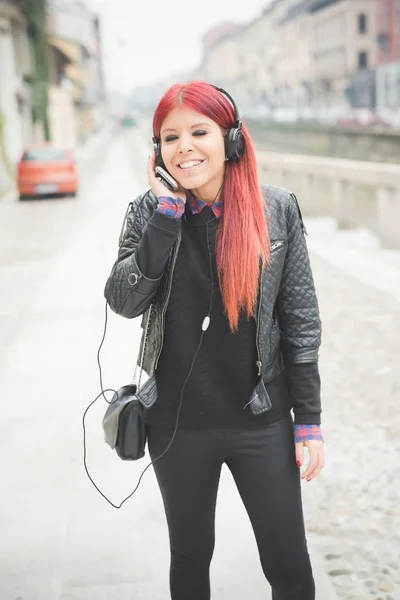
[{"x": 190, "y": 164}]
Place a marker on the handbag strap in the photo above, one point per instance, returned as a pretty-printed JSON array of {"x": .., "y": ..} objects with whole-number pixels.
[{"x": 139, "y": 367}]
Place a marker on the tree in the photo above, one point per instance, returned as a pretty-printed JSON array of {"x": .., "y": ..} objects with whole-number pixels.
[{"x": 36, "y": 13}]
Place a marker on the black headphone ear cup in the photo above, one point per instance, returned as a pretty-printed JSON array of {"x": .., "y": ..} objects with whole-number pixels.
[
  {"x": 240, "y": 144},
  {"x": 234, "y": 144},
  {"x": 157, "y": 152},
  {"x": 228, "y": 145}
]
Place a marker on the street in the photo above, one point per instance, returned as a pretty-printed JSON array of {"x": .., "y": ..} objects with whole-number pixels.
[{"x": 60, "y": 540}]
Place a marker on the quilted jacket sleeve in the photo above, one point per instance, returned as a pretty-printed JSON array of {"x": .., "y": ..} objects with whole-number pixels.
[
  {"x": 128, "y": 291},
  {"x": 297, "y": 303}
]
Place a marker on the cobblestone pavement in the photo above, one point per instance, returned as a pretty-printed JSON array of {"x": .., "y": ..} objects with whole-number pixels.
[{"x": 353, "y": 509}]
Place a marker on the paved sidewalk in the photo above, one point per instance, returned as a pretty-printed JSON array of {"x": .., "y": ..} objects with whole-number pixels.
[
  {"x": 353, "y": 513},
  {"x": 357, "y": 253}
]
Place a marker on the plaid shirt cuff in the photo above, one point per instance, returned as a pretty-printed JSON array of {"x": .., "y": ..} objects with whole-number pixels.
[
  {"x": 170, "y": 207},
  {"x": 302, "y": 433}
]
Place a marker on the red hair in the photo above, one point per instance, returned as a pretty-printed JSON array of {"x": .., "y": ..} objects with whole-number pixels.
[{"x": 242, "y": 239}]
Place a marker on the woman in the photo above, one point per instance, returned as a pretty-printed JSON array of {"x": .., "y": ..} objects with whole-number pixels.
[{"x": 220, "y": 271}]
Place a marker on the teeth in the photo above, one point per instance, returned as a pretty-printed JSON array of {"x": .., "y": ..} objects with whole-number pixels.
[{"x": 190, "y": 164}]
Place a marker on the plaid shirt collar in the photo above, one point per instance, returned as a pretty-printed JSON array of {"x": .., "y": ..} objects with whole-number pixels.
[{"x": 197, "y": 205}]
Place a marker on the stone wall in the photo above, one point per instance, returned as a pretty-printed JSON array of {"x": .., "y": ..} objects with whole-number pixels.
[
  {"x": 357, "y": 194},
  {"x": 338, "y": 142},
  {"x": 317, "y": 199}
]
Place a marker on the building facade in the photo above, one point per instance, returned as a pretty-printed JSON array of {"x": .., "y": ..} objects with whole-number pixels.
[
  {"x": 344, "y": 53},
  {"x": 16, "y": 127},
  {"x": 63, "y": 126},
  {"x": 388, "y": 69},
  {"x": 221, "y": 61},
  {"x": 310, "y": 59},
  {"x": 75, "y": 32},
  {"x": 291, "y": 62}
]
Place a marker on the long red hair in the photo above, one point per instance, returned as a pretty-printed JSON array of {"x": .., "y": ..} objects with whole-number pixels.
[{"x": 242, "y": 239}]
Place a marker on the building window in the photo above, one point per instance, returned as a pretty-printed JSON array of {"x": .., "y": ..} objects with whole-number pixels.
[
  {"x": 362, "y": 60},
  {"x": 362, "y": 23}
]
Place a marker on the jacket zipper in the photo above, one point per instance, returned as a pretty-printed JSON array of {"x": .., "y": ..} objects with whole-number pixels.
[
  {"x": 273, "y": 247},
  {"x": 259, "y": 363},
  {"x": 166, "y": 304},
  {"x": 146, "y": 335},
  {"x": 276, "y": 245}
]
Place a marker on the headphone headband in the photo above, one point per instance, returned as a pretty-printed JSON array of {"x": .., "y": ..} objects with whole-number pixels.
[{"x": 238, "y": 122}]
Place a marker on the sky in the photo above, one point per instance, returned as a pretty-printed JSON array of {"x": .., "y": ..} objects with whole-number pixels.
[{"x": 147, "y": 40}]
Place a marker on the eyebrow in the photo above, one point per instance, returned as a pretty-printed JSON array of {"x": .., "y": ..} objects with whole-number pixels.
[{"x": 192, "y": 127}]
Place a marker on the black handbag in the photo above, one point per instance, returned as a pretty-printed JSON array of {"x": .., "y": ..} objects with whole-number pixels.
[
  {"x": 124, "y": 429},
  {"x": 123, "y": 426}
]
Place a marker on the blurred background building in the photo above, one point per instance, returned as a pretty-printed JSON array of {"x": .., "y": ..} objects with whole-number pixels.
[
  {"x": 77, "y": 84},
  {"x": 388, "y": 62},
  {"x": 16, "y": 124},
  {"x": 308, "y": 59},
  {"x": 51, "y": 76},
  {"x": 332, "y": 62}
]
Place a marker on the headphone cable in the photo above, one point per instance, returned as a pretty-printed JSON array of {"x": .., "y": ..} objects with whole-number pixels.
[{"x": 205, "y": 326}]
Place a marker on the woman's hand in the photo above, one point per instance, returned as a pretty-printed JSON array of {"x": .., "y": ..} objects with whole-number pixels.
[
  {"x": 158, "y": 188},
  {"x": 316, "y": 453}
]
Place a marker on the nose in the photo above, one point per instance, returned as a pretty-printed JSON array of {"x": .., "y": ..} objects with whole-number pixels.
[{"x": 186, "y": 145}]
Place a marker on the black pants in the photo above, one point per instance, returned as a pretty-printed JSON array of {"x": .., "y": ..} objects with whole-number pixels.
[{"x": 262, "y": 462}]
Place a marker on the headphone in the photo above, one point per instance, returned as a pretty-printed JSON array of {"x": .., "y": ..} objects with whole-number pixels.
[{"x": 234, "y": 138}]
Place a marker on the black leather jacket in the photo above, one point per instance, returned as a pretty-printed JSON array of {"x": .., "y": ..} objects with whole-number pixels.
[{"x": 287, "y": 315}]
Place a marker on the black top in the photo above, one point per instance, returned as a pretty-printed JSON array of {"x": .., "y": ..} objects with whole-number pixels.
[{"x": 224, "y": 373}]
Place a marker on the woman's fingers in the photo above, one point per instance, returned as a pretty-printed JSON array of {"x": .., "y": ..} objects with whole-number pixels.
[
  {"x": 315, "y": 470},
  {"x": 299, "y": 454},
  {"x": 150, "y": 169},
  {"x": 316, "y": 459}
]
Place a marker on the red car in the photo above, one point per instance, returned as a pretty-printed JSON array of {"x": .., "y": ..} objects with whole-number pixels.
[{"x": 46, "y": 171}]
